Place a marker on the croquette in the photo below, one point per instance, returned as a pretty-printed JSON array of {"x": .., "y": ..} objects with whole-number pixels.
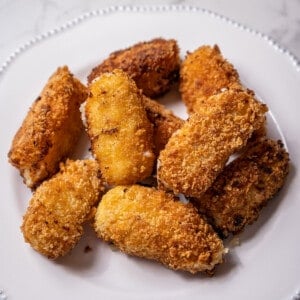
[
  {"x": 53, "y": 222},
  {"x": 198, "y": 151},
  {"x": 203, "y": 73},
  {"x": 121, "y": 134},
  {"x": 50, "y": 130},
  {"x": 152, "y": 224},
  {"x": 164, "y": 122},
  {"x": 244, "y": 187},
  {"x": 153, "y": 65}
]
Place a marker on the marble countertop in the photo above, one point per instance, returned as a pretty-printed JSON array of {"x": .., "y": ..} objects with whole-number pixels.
[{"x": 22, "y": 20}]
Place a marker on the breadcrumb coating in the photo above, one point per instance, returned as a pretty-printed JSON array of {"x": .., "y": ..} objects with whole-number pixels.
[
  {"x": 202, "y": 106},
  {"x": 153, "y": 65},
  {"x": 197, "y": 152},
  {"x": 204, "y": 73},
  {"x": 120, "y": 132},
  {"x": 165, "y": 123},
  {"x": 52, "y": 224},
  {"x": 50, "y": 130},
  {"x": 244, "y": 187},
  {"x": 149, "y": 223}
]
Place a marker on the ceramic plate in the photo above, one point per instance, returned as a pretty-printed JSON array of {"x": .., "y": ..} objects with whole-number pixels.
[{"x": 266, "y": 264}]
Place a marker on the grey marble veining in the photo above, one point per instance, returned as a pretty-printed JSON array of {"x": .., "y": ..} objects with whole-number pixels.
[
  {"x": 22, "y": 20},
  {"x": 286, "y": 28}
]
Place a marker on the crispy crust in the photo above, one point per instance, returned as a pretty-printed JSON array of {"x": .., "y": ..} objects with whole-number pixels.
[
  {"x": 53, "y": 221},
  {"x": 244, "y": 187},
  {"x": 153, "y": 65},
  {"x": 149, "y": 223},
  {"x": 198, "y": 151},
  {"x": 50, "y": 130},
  {"x": 165, "y": 123},
  {"x": 204, "y": 73},
  {"x": 202, "y": 106},
  {"x": 120, "y": 132}
]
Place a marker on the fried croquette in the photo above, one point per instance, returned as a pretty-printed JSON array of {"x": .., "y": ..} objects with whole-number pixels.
[
  {"x": 120, "y": 132},
  {"x": 165, "y": 123},
  {"x": 199, "y": 150},
  {"x": 153, "y": 65},
  {"x": 50, "y": 130},
  {"x": 201, "y": 106},
  {"x": 152, "y": 224},
  {"x": 53, "y": 222},
  {"x": 244, "y": 187},
  {"x": 204, "y": 73}
]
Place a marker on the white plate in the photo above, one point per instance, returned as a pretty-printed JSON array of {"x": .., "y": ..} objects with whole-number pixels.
[{"x": 267, "y": 263}]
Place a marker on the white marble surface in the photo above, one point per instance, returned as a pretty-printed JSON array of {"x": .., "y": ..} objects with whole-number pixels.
[{"x": 22, "y": 20}]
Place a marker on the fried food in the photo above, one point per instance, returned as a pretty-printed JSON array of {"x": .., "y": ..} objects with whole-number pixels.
[
  {"x": 153, "y": 65},
  {"x": 165, "y": 123},
  {"x": 53, "y": 222},
  {"x": 204, "y": 73},
  {"x": 149, "y": 223},
  {"x": 245, "y": 186},
  {"x": 120, "y": 132},
  {"x": 50, "y": 130},
  {"x": 202, "y": 106},
  {"x": 198, "y": 151}
]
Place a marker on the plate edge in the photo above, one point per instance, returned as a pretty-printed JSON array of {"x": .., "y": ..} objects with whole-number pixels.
[{"x": 144, "y": 9}]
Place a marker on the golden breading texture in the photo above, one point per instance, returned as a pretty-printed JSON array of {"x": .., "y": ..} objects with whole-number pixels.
[
  {"x": 149, "y": 223},
  {"x": 53, "y": 222},
  {"x": 204, "y": 73},
  {"x": 202, "y": 107},
  {"x": 198, "y": 151},
  {"x": 165, "y": 123},
  {"x": 153, "y": 65},
  {"x": 244, "y": 187},
  {"x": 258, "y": 134},
  {"x": 50, "y": 130},
  {"x": 120, "y": 132}
]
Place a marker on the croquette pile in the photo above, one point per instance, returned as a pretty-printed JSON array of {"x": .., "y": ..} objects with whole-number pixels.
[{"x": 144, "y": 158}]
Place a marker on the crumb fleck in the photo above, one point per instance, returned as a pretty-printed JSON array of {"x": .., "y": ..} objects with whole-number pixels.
[{"x": 87, "y": 249}]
